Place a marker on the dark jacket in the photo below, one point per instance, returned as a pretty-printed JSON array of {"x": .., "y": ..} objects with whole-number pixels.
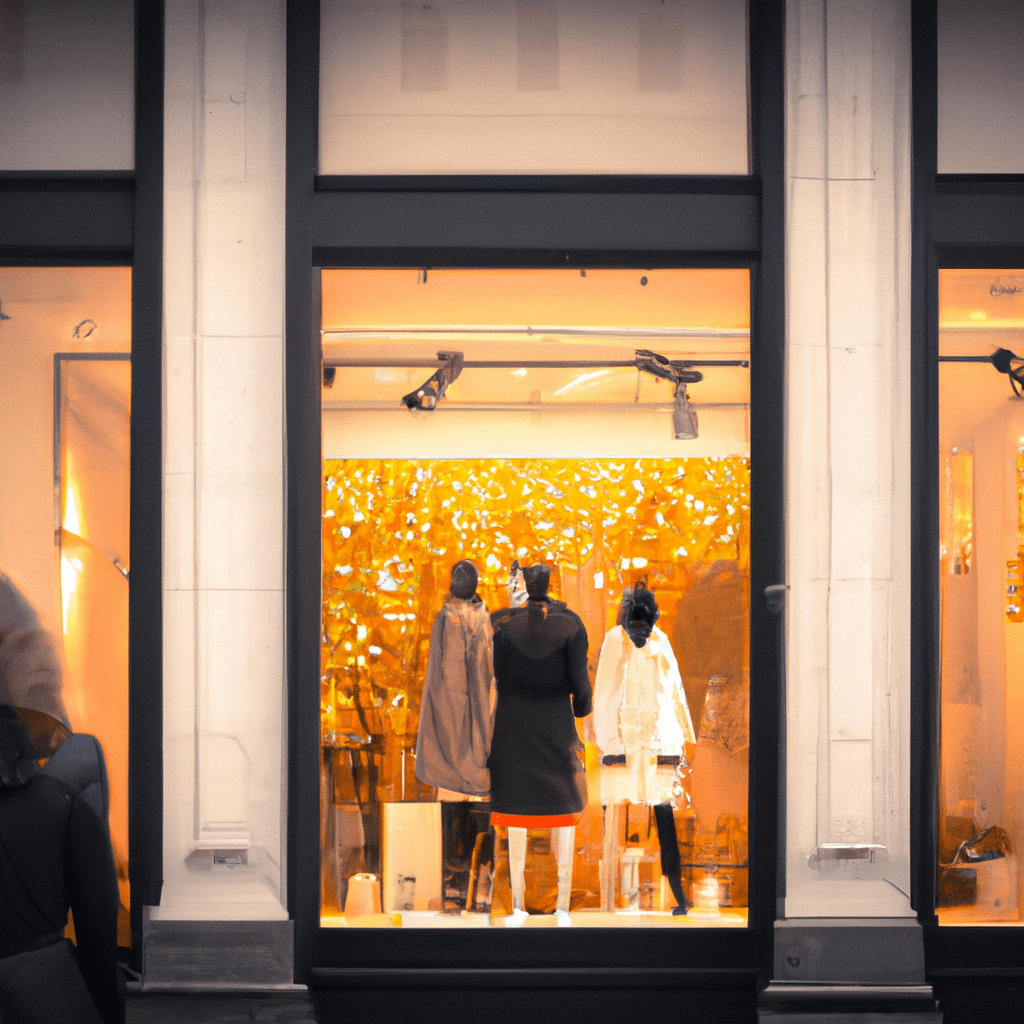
[
  {"x": 54, "y": 854},
  {"x": 540, "y": 666}
]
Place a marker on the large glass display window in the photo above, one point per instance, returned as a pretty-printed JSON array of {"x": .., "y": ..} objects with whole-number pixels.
[
  {"x": 981, "y": 507},
  {"x": 65, "y": 346},
  {"x": 536, "y": 550}
]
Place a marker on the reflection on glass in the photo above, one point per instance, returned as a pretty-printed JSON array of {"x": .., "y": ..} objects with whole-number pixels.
[
  {"x": 982, "y": 525},
  {"x": 66, "y": 85},
  {"x": 675, "y": 824},
  {"x": 534, "y": 86},
  {"x": 92, "y": 479}
]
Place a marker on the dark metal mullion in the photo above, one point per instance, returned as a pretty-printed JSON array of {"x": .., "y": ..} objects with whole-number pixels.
[
  {"x": 924, "y": 475},
  {"x": 145, "y": 593},
  {"x": 767, "y": 387},
  {"x": 648, "y": 184},
  {"x": 303, "y": 482}
]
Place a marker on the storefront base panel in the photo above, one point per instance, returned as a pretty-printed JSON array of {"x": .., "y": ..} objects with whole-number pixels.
[
  {"x": 217, "y": 953},
  {"x": 514, "y": 1006},
  {"x": 191, "y": 1007},
  {"x": 843, "y": 1017},
  {"x": 979, "y": 999}
]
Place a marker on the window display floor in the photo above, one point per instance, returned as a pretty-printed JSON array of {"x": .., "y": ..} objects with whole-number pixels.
[{"x": 722, "y": 918}]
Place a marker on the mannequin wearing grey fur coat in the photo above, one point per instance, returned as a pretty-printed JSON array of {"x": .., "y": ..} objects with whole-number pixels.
[{"x": 457, "y": 709}]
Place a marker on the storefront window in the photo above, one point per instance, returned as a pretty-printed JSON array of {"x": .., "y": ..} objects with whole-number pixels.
[
  {"x": 67, "y": 85},
  {"x": 981, "y": 507},
  {"x": 538, "y": 441},
  {"x": 65, "y": 345},
  {"x": 534, "y": 87},
  {"x": 980, "y": 86}
]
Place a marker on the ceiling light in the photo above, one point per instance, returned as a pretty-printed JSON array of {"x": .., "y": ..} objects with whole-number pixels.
[
  {"x": 684, "y": 415},
  {"x": 432, "y": 390}
]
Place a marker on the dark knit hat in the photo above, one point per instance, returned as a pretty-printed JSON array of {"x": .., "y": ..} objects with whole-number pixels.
[
  {"x": 638, "y": 612},
  {"x": 464, "y": 579},
  {"x": 536, "y": 577}
]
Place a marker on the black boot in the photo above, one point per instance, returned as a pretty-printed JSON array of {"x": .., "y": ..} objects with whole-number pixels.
[{"x": 671, "y": 867}]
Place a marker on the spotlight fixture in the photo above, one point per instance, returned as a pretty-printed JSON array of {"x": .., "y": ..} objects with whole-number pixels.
[
  {"x": 1012, "y": 365},
  {"x": 330, "y": 372},
  {"x": 432, "y": 390},
  {"x": 1015, "y": 287},
  {"x": 684, "y": 415}
]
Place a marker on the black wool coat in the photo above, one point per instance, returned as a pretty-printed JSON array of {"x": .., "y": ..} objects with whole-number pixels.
[{"x": 540, "y": 666}]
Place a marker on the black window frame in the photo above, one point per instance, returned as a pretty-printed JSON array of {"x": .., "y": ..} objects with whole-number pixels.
[
  {"x": 428, "y": 221},
  {"x": 959, "y": 221},
  {"x": 115, "y": 218}
]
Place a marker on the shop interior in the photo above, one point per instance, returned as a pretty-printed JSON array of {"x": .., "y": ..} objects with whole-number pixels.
[
  {"x": 65, "y": 339},
  {"x": 981, "y": 506},
  {"x": 595, "y": 421}
]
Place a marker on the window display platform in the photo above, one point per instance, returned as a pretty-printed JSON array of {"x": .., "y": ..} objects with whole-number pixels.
[{"x": 696, "y": 918}]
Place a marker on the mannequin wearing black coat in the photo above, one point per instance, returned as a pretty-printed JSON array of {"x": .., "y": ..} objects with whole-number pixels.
[{"x": 537, "y": 773}]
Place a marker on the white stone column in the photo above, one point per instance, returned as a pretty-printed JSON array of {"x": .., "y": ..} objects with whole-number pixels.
[
  {"x": 224, "y": 682},
  {"x": 848, "y": 458}
]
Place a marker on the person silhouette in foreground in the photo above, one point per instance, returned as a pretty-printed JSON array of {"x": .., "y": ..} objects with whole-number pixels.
[{"x": 55, "y": 854}]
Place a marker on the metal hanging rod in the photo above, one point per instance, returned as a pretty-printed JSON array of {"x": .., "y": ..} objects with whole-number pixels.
[
  {"x": 576, "y": 408},
  {"x": 525, "y": 364},
  {"x": 529, "y": 330}
]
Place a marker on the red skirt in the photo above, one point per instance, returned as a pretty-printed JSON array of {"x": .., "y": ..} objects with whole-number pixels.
[{"x": 534, "y": 820}]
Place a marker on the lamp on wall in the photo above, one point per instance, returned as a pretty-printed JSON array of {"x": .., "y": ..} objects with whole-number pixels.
[
  {"x": 684, "y": 415},
  {"x": 432, "y": 390}
]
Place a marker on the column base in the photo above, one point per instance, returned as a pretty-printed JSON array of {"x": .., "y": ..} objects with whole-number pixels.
[
  {"x": 848, "y": 1004},
  {"x": 848, "y": 970},
  {"x": 182, "y": 953}
]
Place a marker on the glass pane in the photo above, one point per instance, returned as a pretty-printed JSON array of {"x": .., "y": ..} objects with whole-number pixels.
[
  {"x": 981, "y": 507},
  {"x": 551, "y": 456},
  {"x": 67, "y": 85},
  {"x": 534, "y": 87},
  {"x": 64, "y": 414},
  {"x": 981, "y": 87}
]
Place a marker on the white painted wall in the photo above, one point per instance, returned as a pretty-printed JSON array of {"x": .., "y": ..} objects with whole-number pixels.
[
  {"x": 525, "y": 433},
  {"x": 224, "y": 689},
  {"x": 848, "y": 454}
]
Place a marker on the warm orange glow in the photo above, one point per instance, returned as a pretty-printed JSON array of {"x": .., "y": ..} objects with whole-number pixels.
[
  {"x": 394, "y": 528},
  {"x": 981, "y": 505},
  {"x": 717, "y": 298}
]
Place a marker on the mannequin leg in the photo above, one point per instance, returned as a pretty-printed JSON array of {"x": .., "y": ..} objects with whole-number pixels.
[
  {"x": 671, "y": 867},
  {"x": 563, "y": 839},
  {"x": 517, "y": 874}
]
